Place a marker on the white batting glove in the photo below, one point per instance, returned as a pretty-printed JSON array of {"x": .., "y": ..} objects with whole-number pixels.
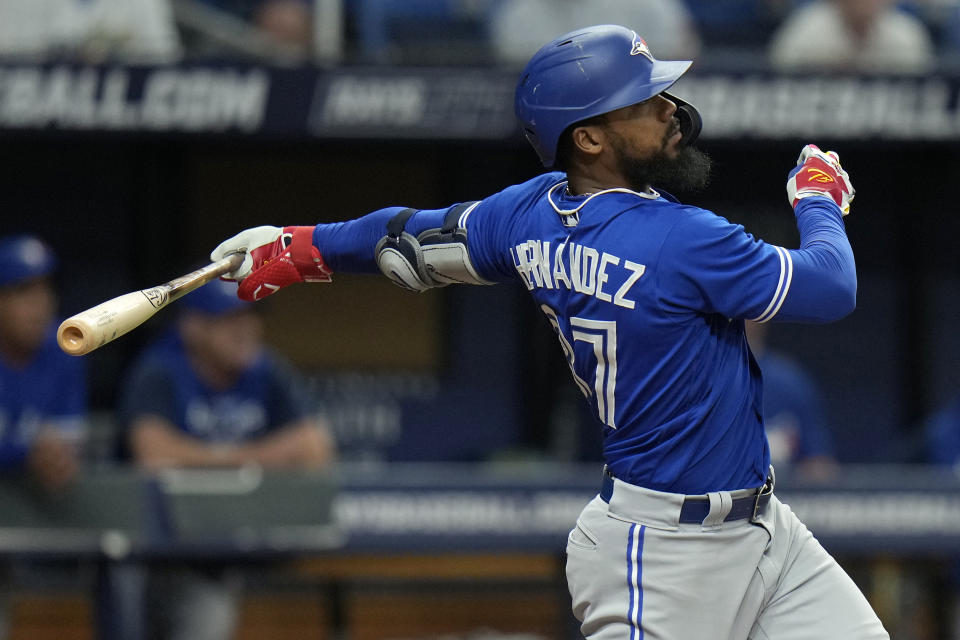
[
  {"x": 245, "y": 242},
  {"x": 818, "y": 173}
]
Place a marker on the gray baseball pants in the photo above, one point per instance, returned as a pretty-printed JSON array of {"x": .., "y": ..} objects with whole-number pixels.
[{"x": 636, "y": 573}]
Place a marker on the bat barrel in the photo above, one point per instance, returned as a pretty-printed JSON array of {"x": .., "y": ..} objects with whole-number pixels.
[
  {"x": 84, "y": 332},
  {"x": 93, "y": 328}
]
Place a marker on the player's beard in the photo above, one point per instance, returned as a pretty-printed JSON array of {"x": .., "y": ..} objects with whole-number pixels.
[{"x": 688, "y": 171}]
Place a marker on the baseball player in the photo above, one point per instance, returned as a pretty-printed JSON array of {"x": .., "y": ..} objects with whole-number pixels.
[
  {"x": 209, "y": 394},
  {"x": 648, "y": 299},
  {"x": 43, "y": 393}
]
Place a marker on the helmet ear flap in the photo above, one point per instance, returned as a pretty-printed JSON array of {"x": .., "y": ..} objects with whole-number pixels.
[{"x": 690, "y": 121}]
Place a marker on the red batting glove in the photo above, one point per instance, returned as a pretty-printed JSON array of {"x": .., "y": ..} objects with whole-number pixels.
[
  {"x": 819, "y": 173},
  {"x": 275, "y": 258}
]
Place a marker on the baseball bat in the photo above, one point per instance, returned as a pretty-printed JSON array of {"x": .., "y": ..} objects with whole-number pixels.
[{"x": 95, "y": 327}]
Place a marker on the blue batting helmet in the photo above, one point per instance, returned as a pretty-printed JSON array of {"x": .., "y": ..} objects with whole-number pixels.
[
  {"x": 588, "y": 72},
  {"x": 23, "y": 257}
]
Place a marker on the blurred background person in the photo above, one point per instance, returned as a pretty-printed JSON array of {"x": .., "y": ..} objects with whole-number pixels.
[
  {"x": 869, "y": 36},
  {"x": 793, "y": 413},
  {"x": 941, "y": 439},
  {"x": 89, "y": 30},
  {"x": 519, "y": 27},
  {"x": 288, "y": 22},
  {"x": 736, "y": 27},
  {"x": 43, "y": 397},
  {"x": 43, "y": 392},
  {"x": 941, "y": 432},
  {"x": 209, "y": 394},
  {"x": 277, "y": 30}
]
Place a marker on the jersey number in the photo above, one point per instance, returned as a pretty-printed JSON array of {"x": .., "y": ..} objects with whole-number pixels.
[{"x": 602, "y": 334}]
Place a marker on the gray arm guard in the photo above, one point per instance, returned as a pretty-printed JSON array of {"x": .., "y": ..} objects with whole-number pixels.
[{"x": 435, "y": 258}]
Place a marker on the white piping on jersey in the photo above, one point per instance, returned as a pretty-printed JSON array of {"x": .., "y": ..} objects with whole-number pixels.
[
  {"x": 652, "y": 195},
  {"x": 462, "y": 221},
  {"x": 783, "y": 286}
]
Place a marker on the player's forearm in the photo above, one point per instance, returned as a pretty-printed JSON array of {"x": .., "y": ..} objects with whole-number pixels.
[
  {"x": 302, "y": 444},
  {"x": 53, "y": 460},
  {"x": 823, "y": 277},
  {"x": 351, "y": 246},
  {"x": 157, "y": 444},
  {"x": 823, "y": 235}
]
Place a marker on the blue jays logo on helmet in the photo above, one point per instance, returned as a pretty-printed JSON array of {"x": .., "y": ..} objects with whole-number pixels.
[
  {"x": 640, "y": 47},
  {"x": 585, "y": 73}
]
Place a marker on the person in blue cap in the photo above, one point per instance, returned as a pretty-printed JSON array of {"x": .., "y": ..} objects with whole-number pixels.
[
  {"x": 43, "y": 392},
  {"x": 209, "y": 394}
]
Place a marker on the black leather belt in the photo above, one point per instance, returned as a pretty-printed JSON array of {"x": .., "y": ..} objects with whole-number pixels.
[{"x": 696, "y": 508}]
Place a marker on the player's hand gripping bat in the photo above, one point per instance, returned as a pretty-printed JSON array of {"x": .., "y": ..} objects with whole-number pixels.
[
  {"x": 276, "y": 257},
  {"x": 109, "y": 320}
]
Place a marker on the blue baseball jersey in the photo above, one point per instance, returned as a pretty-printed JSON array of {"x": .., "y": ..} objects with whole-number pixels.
[
  {"x": 267, "y": 395},
  {"x": 647, "y": 297},
  {"x": 51, "y": 390}
]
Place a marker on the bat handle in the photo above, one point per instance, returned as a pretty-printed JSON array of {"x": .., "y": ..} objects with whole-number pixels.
[
  {"x": 194, "y": 280},
  {"x": 230, "y": 262}
]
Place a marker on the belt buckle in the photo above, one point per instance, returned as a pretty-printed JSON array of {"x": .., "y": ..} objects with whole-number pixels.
[{"x": 765, "y": 490}]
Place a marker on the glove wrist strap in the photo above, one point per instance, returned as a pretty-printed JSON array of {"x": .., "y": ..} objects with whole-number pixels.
[
  {"x": 306, "y": 258},
  {"x": 301, "y": 242}
]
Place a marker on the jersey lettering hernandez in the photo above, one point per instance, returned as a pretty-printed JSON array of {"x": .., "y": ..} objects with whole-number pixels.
[
  {"x": 645, "y": 295},
  {"x": 50, "y": 391},
  {"x": 163, "y": 383}
]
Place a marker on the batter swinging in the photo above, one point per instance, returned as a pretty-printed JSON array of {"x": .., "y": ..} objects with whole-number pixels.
[{"x": 648, "y": 297}]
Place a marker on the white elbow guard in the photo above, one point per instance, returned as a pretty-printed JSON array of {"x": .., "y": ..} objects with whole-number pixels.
[{"x": 435, "y": 258}]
